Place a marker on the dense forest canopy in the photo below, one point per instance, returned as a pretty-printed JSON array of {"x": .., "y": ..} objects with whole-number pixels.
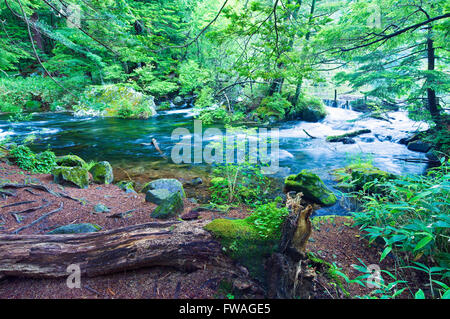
[{"x": 262, "y": 54}]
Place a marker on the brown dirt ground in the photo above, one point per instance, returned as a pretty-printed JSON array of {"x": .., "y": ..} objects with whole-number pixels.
[{"x": 334, "y": 241}]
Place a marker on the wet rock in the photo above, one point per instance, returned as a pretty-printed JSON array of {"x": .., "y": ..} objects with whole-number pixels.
[
  {"x": 170, "y": 184},
  {"x": 102, "y": 173},
  {"x": 419, "y": 146},
  {"x": 367, "y": 139},
  {"x": 311, "y": 186},
  {"x": 383, "y": 138},
  {"x": 77, "y": 176},
  {"x": 76, "y": 229},
  {"x": 70, "y": 161},
  {"x": 157, "y": 196},
  {"x": 178, "y": 101},
  {"x": 431, "y": 155},
  {"x": 348, "y": 140},
  {"x": 170, "y": 207}
]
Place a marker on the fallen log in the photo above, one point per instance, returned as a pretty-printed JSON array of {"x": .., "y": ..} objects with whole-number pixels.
[{"x": 183, "y": 245}]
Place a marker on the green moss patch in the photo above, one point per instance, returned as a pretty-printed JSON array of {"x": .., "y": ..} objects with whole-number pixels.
[
  {"x": 242, "y": 242},
  {"x": 311, "y": 186}
]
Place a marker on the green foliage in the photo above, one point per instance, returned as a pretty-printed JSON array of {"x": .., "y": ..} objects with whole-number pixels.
[
  {"x": 29, "y": 94},
  {"x": 268, "y": 218},
  {"x": 205, "y": 98},
  {"x": 161, "y": 88},
  {"x": 273, "y": 106},
  {"x": 220, "y": 115},
  {"x": 192, "y": 77},
  {"x": 239, "y": 183},
  {"x": 412, "y": 215},
  {"x": 28, "y": 160}
]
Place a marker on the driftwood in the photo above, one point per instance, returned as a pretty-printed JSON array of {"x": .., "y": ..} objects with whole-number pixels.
[{"x": 183, "y": 245}]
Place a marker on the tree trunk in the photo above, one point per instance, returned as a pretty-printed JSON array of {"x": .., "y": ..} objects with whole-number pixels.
[
  {"x": 431, "y": 94},
  {"x": 304, "y": 52},
  {"x": 183, "y": 245},
  {"x": 37, "y": 36}
]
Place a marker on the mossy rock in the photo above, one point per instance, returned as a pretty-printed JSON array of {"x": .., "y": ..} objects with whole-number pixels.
[
  {"x": 77, "y": 176},
  {"x": 157, "y": 196},
  {"x": 102, "y": 173},
  {"x": 127, "y": 186},
  {"x": 115, "y": 100},
  {"x": 171, "y": 184},
  {"x": 355, "y": 176},
  {"x": 70, "y": 161},
  {"x": 76, "y": 229},
  {"x": 242, "y": 242},
  {"x": 311, "y": 186},
  {"x": 170, "y": 207}
]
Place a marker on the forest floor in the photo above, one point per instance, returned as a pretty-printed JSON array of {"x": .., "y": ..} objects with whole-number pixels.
[{"x": 333, "y": 240}]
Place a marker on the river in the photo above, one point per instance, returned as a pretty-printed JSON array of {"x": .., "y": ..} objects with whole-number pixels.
[{"x": 125, "y": 143}]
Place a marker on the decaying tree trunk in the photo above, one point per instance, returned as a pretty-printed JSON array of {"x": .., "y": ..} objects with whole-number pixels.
[
  {"x": 287, "y": 273},
  {"x": 183, "y": 245}
]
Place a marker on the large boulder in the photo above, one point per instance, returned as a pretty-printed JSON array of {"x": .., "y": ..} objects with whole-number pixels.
[
  {"x": 102, "y": 173},
  {"x": 170, "y": 207},
  {"x": 76, "y": 176},
  {"x": 115, "y": 101},
  {"x": 419, "y": 146},
  {"x": 76, "y": 229},
  {"x": 171, "y": 184},
  {"x": 70, "y": 161},
  {"x": 355, "y": 176},
  {"x": 311, "y": 186},
  {"x": 157, "y": 196}
]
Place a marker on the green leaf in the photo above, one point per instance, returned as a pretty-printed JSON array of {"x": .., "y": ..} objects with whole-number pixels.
[
  {"x": 423, "y": 242},
  {"x": 386, "y": 251},
  {"x": 419, "y": 294}
]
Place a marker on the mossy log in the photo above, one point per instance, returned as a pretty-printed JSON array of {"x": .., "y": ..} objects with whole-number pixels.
[{"x": 182, "y": 245}]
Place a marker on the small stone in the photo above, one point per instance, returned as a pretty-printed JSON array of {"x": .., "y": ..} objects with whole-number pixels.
[
  {"x": 191, "y": 215},
  {"x": 100, "y": 208},
  {"x": 195, "y": 181}
]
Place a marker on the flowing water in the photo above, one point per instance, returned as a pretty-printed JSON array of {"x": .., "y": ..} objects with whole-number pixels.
[{"x": 126, "y": 143}]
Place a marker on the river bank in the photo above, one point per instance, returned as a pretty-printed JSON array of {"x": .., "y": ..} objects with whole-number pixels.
[{"x": 333, "y": 240}]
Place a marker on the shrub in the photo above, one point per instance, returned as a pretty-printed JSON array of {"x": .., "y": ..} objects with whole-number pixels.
[
  {"x": 268, "y": 218},
  {"x": 273, "y": 106},
  {"x": 239, "y": 183},
  {"x": 192, "y": 77},
  {"x": 411, "y": 216},
  {"x": 28, "y": 160}
]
